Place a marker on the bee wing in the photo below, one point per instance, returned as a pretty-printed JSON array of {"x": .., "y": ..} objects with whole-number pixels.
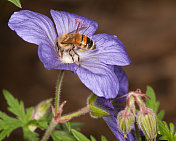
[{"x": 79, "y": 29}]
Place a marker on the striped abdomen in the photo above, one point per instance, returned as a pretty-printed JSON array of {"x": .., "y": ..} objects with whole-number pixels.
[{"x": 83, "y": 41}]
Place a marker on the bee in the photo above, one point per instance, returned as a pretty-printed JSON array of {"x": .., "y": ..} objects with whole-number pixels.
[{"x": 73, "y": 41}]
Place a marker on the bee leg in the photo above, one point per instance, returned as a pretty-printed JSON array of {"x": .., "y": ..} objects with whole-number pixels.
[
  {"x": 78, "y": 57},
  {"x": 61, "y": 53},
  {"x": 71, "y": 55}
]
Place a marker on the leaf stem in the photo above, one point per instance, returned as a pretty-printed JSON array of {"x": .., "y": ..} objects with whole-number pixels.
[
  {"x": 58, "y": 88},
  {"x": 80, "y": 112},
  {"x": 50, "y": 129},
  {"x": 137, "y": 132}
]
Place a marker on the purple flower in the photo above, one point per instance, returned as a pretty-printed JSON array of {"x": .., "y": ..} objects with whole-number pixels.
[
  {"x": 96, "y": 69},
  {"x": 107, "y": 105}
]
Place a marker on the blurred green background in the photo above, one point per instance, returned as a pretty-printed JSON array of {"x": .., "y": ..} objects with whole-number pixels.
[{"x": 146, "y": 27}]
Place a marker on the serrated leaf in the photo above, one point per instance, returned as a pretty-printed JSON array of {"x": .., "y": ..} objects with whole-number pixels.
[
  {"x": 79, "y": 136},
  {"x": 165, "y": 132},
  {"x": 97, "y": 112},
  {"x": 92, "y": 138},
  {"x": 16, "y": 2},
  {"x": 91, "y": 99},
  {"x": 29, "y": 113},
  {"x": 17, "y": 108},
  {"x": 7, "y": 125},
  {"x": 62, "y": 136},
  {"x": 103, "y": 138}
]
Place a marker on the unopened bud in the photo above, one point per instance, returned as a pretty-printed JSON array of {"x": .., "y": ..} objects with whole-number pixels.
[
  {"x": 125, "y": 121},
  {"x": 147, "y": 122},
  {"x": 39, "y": 111}
]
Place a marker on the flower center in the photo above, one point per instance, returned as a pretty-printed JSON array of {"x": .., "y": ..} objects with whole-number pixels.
[{"x": 72, "y": 57}]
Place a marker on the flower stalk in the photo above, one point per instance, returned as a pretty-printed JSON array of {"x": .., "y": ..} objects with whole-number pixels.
[
  {"x": 50, "y": 129},
  {"x": 76, "y": 114},
  {"x": 58, "y": 88}
]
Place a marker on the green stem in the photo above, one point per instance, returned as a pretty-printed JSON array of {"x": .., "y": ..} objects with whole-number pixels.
[
  {"x": 76, "y": 114},
  {"x": 58, "y": 88},
  {"x": 137, "y": 132},
  {"x": 50, "y": 129}
]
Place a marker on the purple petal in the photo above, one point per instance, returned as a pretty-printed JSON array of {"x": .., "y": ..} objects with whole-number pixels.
[
  {"x": 66, "y": 22},
  {"x": 123, "y": 80},
  {"x": 50, "y": 59},
  {"x": 105, "y": 104},
  {"x": 110, "y": 50},
  {"x": 33, "y": 27},
  {"x": 101, "y": 80}
]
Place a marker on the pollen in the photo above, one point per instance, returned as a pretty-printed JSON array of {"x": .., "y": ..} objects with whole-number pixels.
[
  {"x": 81, "y": 50},
  {"x": 66, "y": 58}
]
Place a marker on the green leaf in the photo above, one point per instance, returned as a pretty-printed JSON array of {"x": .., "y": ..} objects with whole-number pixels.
[
  {"x": 76, "y": 125},
  {"x": 16, "y": 2},
  {"x": 152, "y": 103},
  {"x": 7, "y": 125},
  {"x": 68, "y": 125},
  {"x": 103, "y": 138},
  {"x": 97, "y": 112},
  {"x": 62, "y": 136},
  {"x": 172, "y": 129},
  {"x": 42, "y": 124},
  {"x": 92, "y": 138},
  {"x": 91, "y": 99},
  {"x": 79, "y": 136},
  {"x": 29, "y": 135},
  {"x": 161, "y": 114},
  {"x": 167, "y": 134},
  {"x": 15, "y": 107},
  {"x": 29, "y": 113}
]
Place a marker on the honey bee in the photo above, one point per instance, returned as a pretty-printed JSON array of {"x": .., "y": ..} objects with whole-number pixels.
[{"x": 73, "y": 41}]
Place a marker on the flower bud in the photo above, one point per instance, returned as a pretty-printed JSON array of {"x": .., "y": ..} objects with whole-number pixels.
[
  {"x": 39, "y": 111},
  {"x": 147, "y": 122},
  {"x": 125, "y": 121}
]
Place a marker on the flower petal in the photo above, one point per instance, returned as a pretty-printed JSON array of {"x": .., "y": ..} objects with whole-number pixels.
[
  {"x": 101, "y": 80},
  {"x": 33, "y": 27},
  {"x": 66, "y": 22},
  {"x": 50, "y": 59},
  {"x": 123, "y": 80},
  {"x": 110, "y": 50}
]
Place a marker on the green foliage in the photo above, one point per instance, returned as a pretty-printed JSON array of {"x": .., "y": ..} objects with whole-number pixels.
[
  {"x": 79, "y": 136},
  {"x": 164, "y": 132},
  {"x": 167, "y": 134},
  {"x": 23, "y": 118},
  {"x": 62, "y": 136},
  {"x": 103, "y": 138},
  {"x": 92, "y": 138},
  {"x": 97, "y": 112},
  {"x": 92, "y": 99},
  {"x": 152, "y": 103},
  {"x": 16, "y": 2}
]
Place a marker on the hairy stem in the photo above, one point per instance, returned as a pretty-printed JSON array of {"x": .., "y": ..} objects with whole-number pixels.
[
  {"x": 50, "y": 129},
  {"x": 76, "y": 114},
  {"x": 137, "y": 132},
  {"x": 58, "y": 88},
  {"x": 53, "y": 124}
]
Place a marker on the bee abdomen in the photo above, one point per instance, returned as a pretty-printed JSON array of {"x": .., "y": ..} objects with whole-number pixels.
[{"x": 89, "y": 44}]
